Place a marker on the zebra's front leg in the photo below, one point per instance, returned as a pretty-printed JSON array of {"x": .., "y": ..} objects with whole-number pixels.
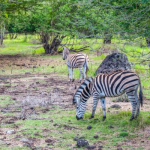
[
  {"x": 72, "y": 74},
  {"x": 69, "y": 69},
  {"x": 81, "y": 73},
  {"x": 133, "y": 101},
  {"x": 95, "y": 101},
  {"x": 103, "y": 108}
]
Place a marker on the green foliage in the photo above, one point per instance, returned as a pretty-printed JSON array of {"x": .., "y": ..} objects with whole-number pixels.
[{"x": 123, "y": 134}]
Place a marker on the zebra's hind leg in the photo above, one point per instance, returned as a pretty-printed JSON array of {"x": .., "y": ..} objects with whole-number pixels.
[
  {"x": 81, "y": 73},
  {"x": 131, "y": 97},
  {"x": 85, "y": 70},
  {"x": 103, "y": 108},
  {"x": 95, "y": 101},
  {"x": 138, "y": 105}
]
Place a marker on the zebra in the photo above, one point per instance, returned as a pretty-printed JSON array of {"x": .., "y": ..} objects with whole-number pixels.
[
  {"x": 77, "y": 60},
  {"x": 109, "y": 85}
]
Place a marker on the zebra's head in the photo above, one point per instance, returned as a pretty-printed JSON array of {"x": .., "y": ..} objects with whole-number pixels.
[
  {"x": 80, "y": 109},
  {"x": 81, "y": 96},
  {"x": 65, "y": 53}
]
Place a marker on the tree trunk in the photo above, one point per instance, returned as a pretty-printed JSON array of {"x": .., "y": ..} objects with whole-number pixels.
[
  {"x": 107, "y": 38},
  {"x": 53, "y": 46},
  {"x": 148, "y": 42},
  {"x": 2, "y": 36}
]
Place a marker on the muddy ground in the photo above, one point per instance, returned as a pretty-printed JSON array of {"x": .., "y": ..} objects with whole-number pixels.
[{"x": 31, "y": 90}]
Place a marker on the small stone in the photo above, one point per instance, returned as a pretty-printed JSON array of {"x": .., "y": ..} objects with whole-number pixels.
[
  {"x": 49, "y": 141},
  {"x": 95, "y": 136},
  {"x": 91, "y": 147},
  {"x": 68, "y": 145},
  {"x": 75, "y": 138},
  {"x": 55, "y": 124},
  {"x": 119, "y": 148},
  {"x": 24, "y": 140},
  {"x": 111, "y": 127},
  {"x": 115, "y": 106},
  {"x": 100, "y": 147},
  {"x": 82, "y": 143},
  {"x": 10, "y": 132},
  {"x": 82, "y": 137},
  {"x": 89, "y": 127},
  {"x": 13, "y": 98},
  {"x": 27, "y": 73}
]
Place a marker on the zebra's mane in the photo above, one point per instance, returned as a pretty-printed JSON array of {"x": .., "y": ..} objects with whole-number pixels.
[
  {"x": 82, "y": 88},
  {"x": 115, "y": 71}
]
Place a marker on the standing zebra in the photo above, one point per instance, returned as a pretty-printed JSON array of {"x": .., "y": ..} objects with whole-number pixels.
[
  {"x": 77, "y": 60},
  {"x": 109, "y": 85}
]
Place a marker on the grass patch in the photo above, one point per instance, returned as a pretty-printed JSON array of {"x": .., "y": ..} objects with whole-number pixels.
[
  {"x": 63, "y": 128},
  {"x": 5, "y": 100}
]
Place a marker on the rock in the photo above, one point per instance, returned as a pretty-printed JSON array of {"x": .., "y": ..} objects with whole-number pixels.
[
  {"x": 100, "y": 147},
  {"x": 24, "y": 140},
  {"x": 13, "y": 98},
  {"x": 82, "y": 143},
  {"x": 75, "y": 138},
  {"x": 119, "y": 148},
  {"x": 89, "y": 127},
  {"x": 95, "y": 136},
  {"x": 115, "y": 106},
  {"x": 11, "y": 132},
  {"x": 91, "y": 147},
  {"x": 110, "y": 127},
  {"x": 82, "y": 137},
  {"x": 27, "y": 73},
  {"x": 49, "y": 141},
  {"x": 114, "y": 62}
]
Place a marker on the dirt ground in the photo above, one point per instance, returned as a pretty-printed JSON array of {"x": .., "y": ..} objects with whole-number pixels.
[{"x": 29, "y": 90}]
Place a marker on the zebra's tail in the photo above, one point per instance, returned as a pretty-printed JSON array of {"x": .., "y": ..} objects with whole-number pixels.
[
  {"x": 86, "y": 63},
  {"x": 141, "y": 95}
]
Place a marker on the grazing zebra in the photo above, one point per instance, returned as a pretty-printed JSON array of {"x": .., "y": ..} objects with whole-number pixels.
[
  {"x": 109, "y": 85},
  {"x": 77, "y": 60}
]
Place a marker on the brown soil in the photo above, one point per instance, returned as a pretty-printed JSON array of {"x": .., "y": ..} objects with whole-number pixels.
[{"x": 32, "y": 90}]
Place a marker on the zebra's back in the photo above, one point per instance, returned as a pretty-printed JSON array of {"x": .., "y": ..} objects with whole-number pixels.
[
  {"x": 115, "y": 84},
  {"x": 76, "y": 60}
]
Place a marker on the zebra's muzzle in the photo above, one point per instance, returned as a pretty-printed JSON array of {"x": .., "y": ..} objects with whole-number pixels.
[{"x": 78, "y": 118}]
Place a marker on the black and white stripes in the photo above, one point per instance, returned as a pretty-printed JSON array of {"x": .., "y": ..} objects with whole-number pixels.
[
  {"x": 112, "y": 85},
  {"x": 78, "y": 60}
]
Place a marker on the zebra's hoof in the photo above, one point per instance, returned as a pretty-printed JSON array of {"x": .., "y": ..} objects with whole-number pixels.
[
  {"x": 91, "y": 117},
  {"x": 103, "y": 118},
  {"x": 132, "y": 118}
]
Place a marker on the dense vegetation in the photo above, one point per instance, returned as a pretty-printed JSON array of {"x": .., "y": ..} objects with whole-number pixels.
[{"x": 53, "y": 20}]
